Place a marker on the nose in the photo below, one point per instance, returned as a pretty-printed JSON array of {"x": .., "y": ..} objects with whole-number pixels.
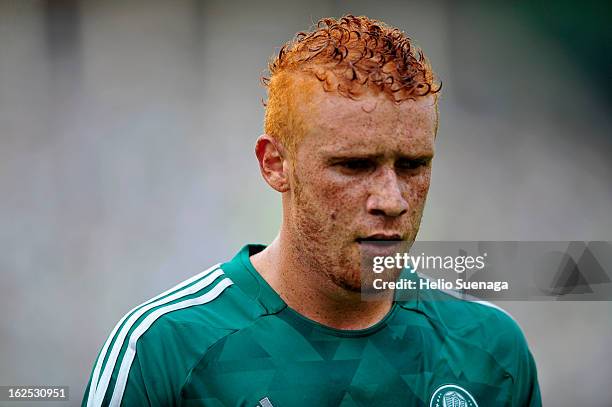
[{"x": 386, "y": 196}]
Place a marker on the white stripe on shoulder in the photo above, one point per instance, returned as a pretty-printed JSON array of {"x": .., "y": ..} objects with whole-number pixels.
[
  {"x": 469, "y": 298},
  {"x": 497, "y": 307},
  {"x": 134, "y": 316},
  {"x": 100, "y": 360},
  {"x": 130, "y": 352}
]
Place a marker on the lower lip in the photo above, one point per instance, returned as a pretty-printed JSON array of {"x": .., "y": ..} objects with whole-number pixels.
[{"x": 382, "y": 247}]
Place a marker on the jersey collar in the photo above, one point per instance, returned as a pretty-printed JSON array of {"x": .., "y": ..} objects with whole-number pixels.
[
  {"x": 254, "y": 285},
  {"x": 244, "y": 275}
]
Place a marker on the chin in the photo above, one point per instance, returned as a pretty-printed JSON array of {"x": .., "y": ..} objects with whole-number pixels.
[
  {"x": 347, "y": 284},
  {"x": 347, "y": 277},
  {"x": 342, "y": 266}
]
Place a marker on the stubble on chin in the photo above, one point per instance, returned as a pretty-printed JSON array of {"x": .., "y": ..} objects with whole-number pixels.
[{"x": 347, "y": 279}]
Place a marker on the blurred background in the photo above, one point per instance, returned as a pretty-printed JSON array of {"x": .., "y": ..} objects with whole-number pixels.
[{"x": 126, "y": 158}]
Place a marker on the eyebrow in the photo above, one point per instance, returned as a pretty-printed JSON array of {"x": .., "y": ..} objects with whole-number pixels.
[{"x": 428, "y": 156}]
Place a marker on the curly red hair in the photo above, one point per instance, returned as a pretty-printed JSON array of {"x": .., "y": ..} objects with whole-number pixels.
[{"x": 350, "y": 56}]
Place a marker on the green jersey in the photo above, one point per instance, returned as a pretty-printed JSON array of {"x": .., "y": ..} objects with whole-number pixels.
[{"x": 226, "y": 338}]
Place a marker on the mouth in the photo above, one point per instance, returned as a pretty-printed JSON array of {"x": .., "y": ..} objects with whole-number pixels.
[
  {"x": 381, "y": 239},
  {"x": 381, "y": 244}
]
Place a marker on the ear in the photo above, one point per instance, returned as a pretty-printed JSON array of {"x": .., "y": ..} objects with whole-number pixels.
[{"x": 272, "y": 159}]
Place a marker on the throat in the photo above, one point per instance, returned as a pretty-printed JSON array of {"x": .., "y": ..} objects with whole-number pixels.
[{"x": 312, "y": 294}]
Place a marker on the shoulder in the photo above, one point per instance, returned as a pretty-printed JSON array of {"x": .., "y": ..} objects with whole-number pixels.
[
  {"x": 160, "y": 340},
  {"x": 195, "y": 312},
  {"x": 208, "y": 304},
  {"x": 480, "y": 334},
  {"x": 480, "y": 322}
]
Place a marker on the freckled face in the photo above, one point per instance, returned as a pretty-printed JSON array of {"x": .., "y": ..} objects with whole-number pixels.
[{"x": 362, "y": 170}]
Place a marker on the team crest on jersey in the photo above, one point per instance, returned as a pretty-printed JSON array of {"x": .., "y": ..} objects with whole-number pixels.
[{"x": 451, "y": 395}]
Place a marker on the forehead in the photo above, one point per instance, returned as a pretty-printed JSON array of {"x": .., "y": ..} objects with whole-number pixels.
[{"x": 373, "y": 123}]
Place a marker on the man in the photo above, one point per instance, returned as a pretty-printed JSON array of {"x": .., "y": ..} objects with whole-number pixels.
[{"x": 349, "y": 140}]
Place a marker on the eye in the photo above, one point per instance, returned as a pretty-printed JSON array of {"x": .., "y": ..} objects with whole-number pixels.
[
  {"x": 411, "y": 164},
  {"x": 356, "y": 164}
]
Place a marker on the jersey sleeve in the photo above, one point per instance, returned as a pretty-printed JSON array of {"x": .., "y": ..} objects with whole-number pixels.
[
  {"x": 512, "y": 351},
  {"x": 527, "y": 389},
  {"x": 149, "y": 367},
  {"x": 152, "y": 349},
  {"x": 136, "y": 392},
  {"x": 129, "y": 385},
  {"x": 515, "y": 352}
]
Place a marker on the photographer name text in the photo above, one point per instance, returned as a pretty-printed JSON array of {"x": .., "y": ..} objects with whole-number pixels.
[{"x": 440, "y": 284}]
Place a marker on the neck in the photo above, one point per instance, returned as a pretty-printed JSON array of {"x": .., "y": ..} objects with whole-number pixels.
[{"x": 311, "y": 294}]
